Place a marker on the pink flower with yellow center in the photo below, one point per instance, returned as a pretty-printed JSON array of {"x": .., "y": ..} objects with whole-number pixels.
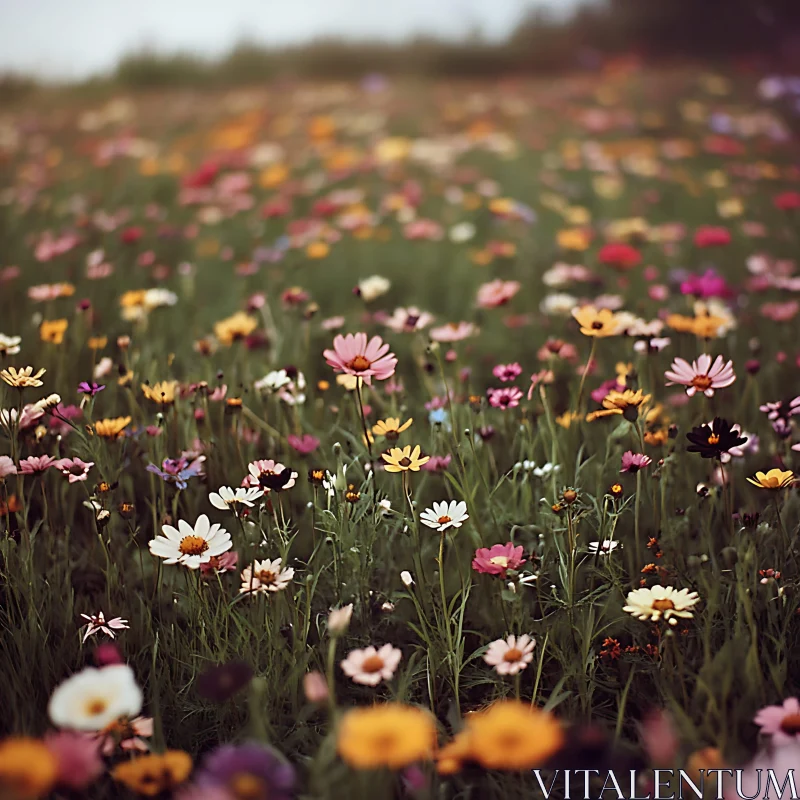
[{"x": 355, "y": 355}]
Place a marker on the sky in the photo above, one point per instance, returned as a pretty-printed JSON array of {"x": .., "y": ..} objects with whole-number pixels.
[{"x": 73, "y": 39}]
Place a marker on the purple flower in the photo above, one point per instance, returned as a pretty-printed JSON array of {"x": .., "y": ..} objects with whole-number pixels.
[
  {"x": 709, "y": 284},
  {"x": 599, "y": 394},
  {"x": 251, "y": 766},
  {"x": 34, "y": 465},
  {"x": 74, "y": 468},
  {"x": 304, "y": 444},
  {"x": 90, "y": 389},
  {"x": 178, "y": 470},
  {"x": 633, "y": 462}
]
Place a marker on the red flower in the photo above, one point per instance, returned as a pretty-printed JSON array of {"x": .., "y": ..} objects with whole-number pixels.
[
  {"x": 711, "y": 236},
  {"x": 787, "y": 201},
  {"x": 204, "y": 176},
  {"x": 619, "y": 255},
  {"x": 132, "y": 234}
]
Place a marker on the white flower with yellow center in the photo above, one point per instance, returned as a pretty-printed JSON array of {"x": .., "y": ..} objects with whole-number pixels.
[
  {"x": 228, "y": 499},
  {"x": 191, "y": 546},
  {"x": 93, "y": 699},
  {"x": 265, "y": 576},
  {"x": 661, "y": 602},
  {"x": 445, "y": 515}
]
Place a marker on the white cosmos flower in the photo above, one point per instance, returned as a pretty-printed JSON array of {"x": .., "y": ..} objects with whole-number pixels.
[
  {"x": 265, "y": 576},
  {"x": 93, "y": 699},
  {"x": 604, "y": 547},
  {"x": 445, "y": 515},
  {"x": 370, "y": 666},
  {"x": 661, "y": 601},
  {"x": 510, "y": 656},
  {"x": 558, "y": 304},
  {"x": 191, "y": 546},
  {"x": 273, "y": 381},
  {"x": 9, "y": 345},
  {"x": 227, "y": 499},
  {"x": 373, "y": 287},
  {"x": 462, "y": 232}
]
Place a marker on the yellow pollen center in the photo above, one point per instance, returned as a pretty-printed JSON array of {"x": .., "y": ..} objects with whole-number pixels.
[
  {"x": 193, "y": 545},
  {"x": 663, "y": 605},
  {"x": 245, "y": 786},
  {"x": 96, "y": 706},
  {"x": 512, "y": 655},
  {"x": 444, "y": 519},
  {"x": 500, "y": 561},
  {"x": 372, "y": 664},
  {"x": 713, "y": 439},
  {"x": 359, "y": 363}
]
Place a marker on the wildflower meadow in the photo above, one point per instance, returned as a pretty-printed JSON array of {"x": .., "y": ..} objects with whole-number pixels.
[{"x": 400, "y": 438}]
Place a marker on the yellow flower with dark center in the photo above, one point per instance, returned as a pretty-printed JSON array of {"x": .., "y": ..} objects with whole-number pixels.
[
  {"x": 22, "y": 378},
  {"x": 774, "y": 479},
  {"x": 162, "y": 393},
  {"x": 111, "y": 428},
  {"x": 390, "y": 427},
  {"x": 153, "y": 774},
  {"x": 234, "y": 328},
  {"x": 398, "y": 460},
  {"x": 596, "y": 322},
  {"x": 28, "y": 769},
  {"x": 391, "y": 735},
  {"x": 626, "y": 403},
  {"x": 507, "y": 735},
  {"x": 53, "y": 330}
]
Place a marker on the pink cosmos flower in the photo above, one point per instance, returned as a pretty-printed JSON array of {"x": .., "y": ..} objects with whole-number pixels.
[
  {"x": 780, "y": 312},
  {"x": 408, "y": 320},
  {"x": 633, "y": 462},
  {"x": 33, "y": 465},
  {"x": 709, "y": 284},
  {"x": 497, "y": 559},
  {"x": 599, "y": 394},
  {"x": 559, "y": 349},
  {"x": 370, "y": 666},
  {"x": 127, "y": 736},
  {"x": 97, "y": 622},
  {"x": 7, "y": 467},
  {"x": 439, "y": 463},
  {"x": 269, "y": 475},
  {"x": 781, "y": 722},
  {"x": 74, "y": 468},
  {"x": 510, "y": 656},
  {"x": 77, "y": 757},
  {"x": 223, "y": 563},
  {"x": 332, "y": 323},
  {"x": 453, "y": 332},
  {"x": 507, "y": 372},
  {"x": 507, "y": 397},
  {"x": 304, "y": 444},
  {"x": 497, "y": 293},
  {"x": 701, "y": 375},
  {"x": 355, "y": 355}
]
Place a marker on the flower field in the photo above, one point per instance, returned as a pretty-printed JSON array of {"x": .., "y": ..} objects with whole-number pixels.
[{"x": 398, "y": 439}]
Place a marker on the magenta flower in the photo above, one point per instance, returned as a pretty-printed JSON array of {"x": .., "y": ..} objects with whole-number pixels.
[
  {"x": 304, "y": 444},
  {"x": 34, "y": 465},
  {"x": 223, "y": 563},
  {"x": 701, "y": 375},
  {"x": 709, "y": 284},
  {"x": 7, "y": 467},
  {"x": 77, "y": 756},
  {"x": 507, "y": 397},
  {"x": 780, "y": 722},
  {"x": 497, "y": 559},
  {"x": 74, "y": 468},
  {"x": 90, "y": 389},
  {"x": 355, "y": 355},
  {"x": 507, "y": 372},
  {"x": 437, "y": 463},
  {"x": 599, "y": 394},
  {"x": 633, "y": 462}
]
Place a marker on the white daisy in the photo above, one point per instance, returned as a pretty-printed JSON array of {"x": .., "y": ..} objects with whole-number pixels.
[
  {"x": 510, "y": 656},
  {"x": 191, "y": 546},
  {"x": 9, "y": 345},
  {"x": 93, "y": 699},
  {"x": 370, "y": 666},
  {"x": 265, "y": 576},
  {"x": 661, "y": 601},
  {"x": 445, "y": 515},
  {"x": 273, "y": 381},
  {"x": 228, "y": 499}
]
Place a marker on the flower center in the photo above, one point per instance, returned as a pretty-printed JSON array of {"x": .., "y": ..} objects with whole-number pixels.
[
  {"x": 246, "y": 786},
  {"x": 444, "y": 519},
  {"x": 405, "y": 461},
  {"x": 96, "y": 706},
  {"x": 359, "y": 363},
  {"x": 664, "y": 604},
  {"x": 193, "y": 545},
  {"x": 597, "y": 325},
  {"x": 701, "y": 382},
  {"x": 512, "y": 655},
  {"x": 267, "y": 576},
  {"x": 372, "y": 664},
  {"x": 713, "y": 438},
  {"x": 500, "y": 561},
  {"x": 791, "y": 724}
]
